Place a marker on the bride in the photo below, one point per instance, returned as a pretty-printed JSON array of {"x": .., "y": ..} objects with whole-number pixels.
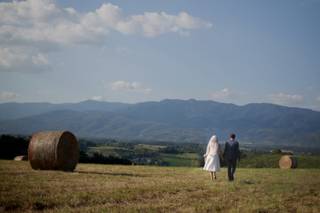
[{"x": 212, "y": 160}]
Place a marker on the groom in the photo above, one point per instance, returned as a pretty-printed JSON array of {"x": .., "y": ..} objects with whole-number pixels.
[{"x": 231, "y": 155}]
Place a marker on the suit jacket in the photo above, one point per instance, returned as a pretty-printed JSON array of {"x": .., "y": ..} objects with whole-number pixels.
[{"x": 231, "y": 150}]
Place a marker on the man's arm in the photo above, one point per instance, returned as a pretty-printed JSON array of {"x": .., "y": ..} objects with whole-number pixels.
[{"x": 225, "y": 150}]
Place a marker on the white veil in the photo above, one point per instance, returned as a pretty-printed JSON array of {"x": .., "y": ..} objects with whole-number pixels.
[{"x": 213, "y": 146}]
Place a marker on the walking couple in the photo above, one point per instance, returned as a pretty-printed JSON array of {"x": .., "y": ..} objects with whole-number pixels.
[{"x": 231, "y": 154}]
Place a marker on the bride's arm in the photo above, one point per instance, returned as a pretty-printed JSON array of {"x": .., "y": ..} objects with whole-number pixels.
[{"x": 208, "y": 150}]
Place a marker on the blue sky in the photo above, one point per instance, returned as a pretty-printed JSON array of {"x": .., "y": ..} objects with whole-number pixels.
[{"x": 131, "y": 51}]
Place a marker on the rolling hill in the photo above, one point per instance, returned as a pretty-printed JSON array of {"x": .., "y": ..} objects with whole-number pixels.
[
  {"x": 19, "y": 110},
  {"x": 168, "y": 120}
]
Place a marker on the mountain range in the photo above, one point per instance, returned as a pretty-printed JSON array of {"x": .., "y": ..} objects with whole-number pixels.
[{"x": 167, "y": 120}]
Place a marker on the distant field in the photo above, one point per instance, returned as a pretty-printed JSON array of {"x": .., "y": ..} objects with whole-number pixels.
[
  {"x": 263, "y": 160},
  {"x": 110, "y": 151},
  {"x": 153, "y": 154},
  {"x": 110, "y": 188},
  {"x": 185, "y": 159},
  {"x": 148, "y": 151}
]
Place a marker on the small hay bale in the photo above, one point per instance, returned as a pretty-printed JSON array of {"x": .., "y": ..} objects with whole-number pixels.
[
  {"x": 53, "y": 150},
  {"x": 288, "y": 162},
  {"x": 21, "y": 158}
]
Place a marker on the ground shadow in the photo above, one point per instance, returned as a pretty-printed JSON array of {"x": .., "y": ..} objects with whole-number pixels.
[{"x": 110, "y": 173}]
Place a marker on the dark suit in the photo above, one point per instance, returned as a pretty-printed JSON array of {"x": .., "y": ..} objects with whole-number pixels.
[{"x": 231, "y": 155}]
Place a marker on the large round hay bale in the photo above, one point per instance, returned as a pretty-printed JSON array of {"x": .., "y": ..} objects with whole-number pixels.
[
  {"x": 53, "y": 150},
  {"x": 288, "y": 162}
]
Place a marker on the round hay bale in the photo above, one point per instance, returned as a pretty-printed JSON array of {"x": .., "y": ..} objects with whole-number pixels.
[
  {"x": 288, "y": 162},
  {"x": 21, "y": 158},
  {"x": 53, "y": 150}
]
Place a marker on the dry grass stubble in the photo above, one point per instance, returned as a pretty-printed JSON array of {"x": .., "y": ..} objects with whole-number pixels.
[{"x": 113, "y": 188}]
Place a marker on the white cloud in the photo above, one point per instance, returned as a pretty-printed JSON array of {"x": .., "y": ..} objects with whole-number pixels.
[
  {"x": 153, "y": 24},
  {"x": 96, "y": 98},
  {"x": 41, "y": 25},
  {"x": 318, "y": 98},
  {"x": 283, "y": 98},
  {"x": 7, "y": 96},
  {"x": 22, "y": 59},
  {"x": 129, "y": 86},
  {"x": 223, "y": 95},
  {"x": 40, "y": 59},
  {"x": 8, "y": 57}
]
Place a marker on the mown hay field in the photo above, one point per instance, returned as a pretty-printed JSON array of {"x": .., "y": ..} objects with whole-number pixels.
[{"x": 114, "y": 188}]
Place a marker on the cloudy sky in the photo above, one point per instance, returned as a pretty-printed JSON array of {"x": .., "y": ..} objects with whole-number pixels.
[{"x": 132, "y": 51}]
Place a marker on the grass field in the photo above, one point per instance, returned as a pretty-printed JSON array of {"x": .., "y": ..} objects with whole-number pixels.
[{"x": 113, "y": 188}]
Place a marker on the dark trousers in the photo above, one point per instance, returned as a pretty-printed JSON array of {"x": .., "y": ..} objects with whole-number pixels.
[{"x": 232, "y": 164}]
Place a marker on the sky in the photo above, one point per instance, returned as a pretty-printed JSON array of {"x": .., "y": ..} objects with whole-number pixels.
[{"x": 134, "y": 51}]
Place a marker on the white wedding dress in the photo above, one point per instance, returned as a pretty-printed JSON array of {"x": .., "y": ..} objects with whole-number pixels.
[{"x": 212, "y": 160}]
